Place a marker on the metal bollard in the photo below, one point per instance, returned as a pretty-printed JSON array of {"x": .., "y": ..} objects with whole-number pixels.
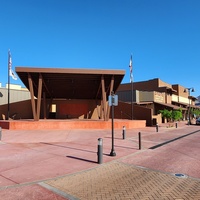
[
  {"x": 157, "y": 127},
  {"x": 176, "y": 124},
  {"x": 0, "y": 132},
  {"x": 124, "y": 132},
  {"x": 100, "y": 151},
  {"x": 139, "y": 136}
]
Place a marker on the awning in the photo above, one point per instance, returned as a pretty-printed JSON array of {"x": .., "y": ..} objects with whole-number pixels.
[
  {"x": 170, "y": 106},
  {"x": 144, "y": 102},
  {"x": 181, "y": 103},
  {"x": 195, "y": 106}
]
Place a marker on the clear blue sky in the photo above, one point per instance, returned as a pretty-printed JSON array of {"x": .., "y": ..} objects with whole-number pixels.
[{"x": 162, "y": 35}]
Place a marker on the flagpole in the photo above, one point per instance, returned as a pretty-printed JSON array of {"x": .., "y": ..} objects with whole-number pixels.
[
  {"x": 10, "y": 73},
  {"x": 8, "y": 85},
  {"x": 131, "y": 99},
  {"x": 131, "y": 80}
]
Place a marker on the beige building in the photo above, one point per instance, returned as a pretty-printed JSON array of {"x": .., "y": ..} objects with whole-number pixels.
[
  {"x": 151, "y": 96},
  {"x": 20, "y": 104}
]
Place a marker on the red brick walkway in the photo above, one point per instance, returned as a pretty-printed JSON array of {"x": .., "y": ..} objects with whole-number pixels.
[{"x": 63, "y": 164}]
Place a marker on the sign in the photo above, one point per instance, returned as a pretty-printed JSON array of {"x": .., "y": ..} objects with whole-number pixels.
[{"x": 113, "y": 100}]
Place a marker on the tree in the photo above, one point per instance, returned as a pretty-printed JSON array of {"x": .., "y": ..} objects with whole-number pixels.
[
  {"x": 195, "y": 112},
  {"x": 166, "y": 114},
  {"x": 177, "y": 115}
]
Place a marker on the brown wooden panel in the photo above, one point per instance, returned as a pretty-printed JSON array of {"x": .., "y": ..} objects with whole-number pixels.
[{"x": 73, "y": 109}]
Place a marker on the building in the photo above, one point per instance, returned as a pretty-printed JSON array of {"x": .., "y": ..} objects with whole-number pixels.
[
  {"x": 197, "y": 103},
  {"x": 53, "y": 93},
  {"x": 148, "y": 97},
  {"x": 19, "y": 101}
]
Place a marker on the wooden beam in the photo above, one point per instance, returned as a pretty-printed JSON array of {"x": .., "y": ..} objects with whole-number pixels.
[
  {"x": 39, "y": 96},
  {"x": 103, "y": 97},
  {"x": 101, "y": 110},
  {"x": 30, "y": 82},
  {"x": 111, "y": 89}
]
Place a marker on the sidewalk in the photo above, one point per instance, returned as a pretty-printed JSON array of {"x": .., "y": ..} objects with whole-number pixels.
[{"x": 63, "y": 164}]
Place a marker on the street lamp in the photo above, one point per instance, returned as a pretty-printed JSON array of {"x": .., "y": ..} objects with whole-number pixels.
[{"x": 192, "y": 90}]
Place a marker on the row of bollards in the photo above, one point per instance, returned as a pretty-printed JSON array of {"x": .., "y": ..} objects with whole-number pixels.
[
  {"x": 124, "y": 136},
  {"x": 100, "y": 145},
  {"x": 176, "y": 125},
  {"x": 100, "y": 142}
]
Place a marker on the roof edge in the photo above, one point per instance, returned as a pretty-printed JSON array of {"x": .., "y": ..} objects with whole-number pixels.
[{"x": 70, "y": 70}]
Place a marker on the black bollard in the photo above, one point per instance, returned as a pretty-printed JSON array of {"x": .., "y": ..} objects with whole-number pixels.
[
  {"x": 0, "y": 132},
  {"x": 100, "y": 151},
  {"x": 176, "y": 124},
  {"x": 139, "y": 136},
  {"x": 124, "y": 132},
  {"x": 157, "y": 127}
]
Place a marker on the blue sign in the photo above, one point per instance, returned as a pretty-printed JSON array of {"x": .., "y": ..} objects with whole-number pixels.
[{"x": 113, "y": 100}]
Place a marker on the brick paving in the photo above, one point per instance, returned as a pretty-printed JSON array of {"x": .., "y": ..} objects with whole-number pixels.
[
  {"x": 117, "y": 180},
  {"x": 50, "y": 165}
]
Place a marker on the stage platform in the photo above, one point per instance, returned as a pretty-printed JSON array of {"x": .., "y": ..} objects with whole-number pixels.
[{"x": 69, "y": 124}]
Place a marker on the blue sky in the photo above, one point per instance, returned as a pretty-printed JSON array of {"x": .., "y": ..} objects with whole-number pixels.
[{"x": 162, "y": 35}]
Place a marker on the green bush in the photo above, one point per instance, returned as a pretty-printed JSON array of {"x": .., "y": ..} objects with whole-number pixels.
[
  {"x": 195, "y": 112},
  {"x": 171, "y": 115},
  {"x": 176, "y": 115}
]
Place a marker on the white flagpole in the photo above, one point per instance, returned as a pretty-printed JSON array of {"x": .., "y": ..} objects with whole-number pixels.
[{"x": 9, "y": 68}]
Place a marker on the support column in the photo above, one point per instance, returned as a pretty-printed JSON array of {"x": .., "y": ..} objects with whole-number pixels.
[
  {"x": 103, "y": 98},
  {"x": 30, "y": 82},
  {"x": 39, "y": 96},
  {"x": 111, "y": 89},
  {"x": 101, "y": 110}
]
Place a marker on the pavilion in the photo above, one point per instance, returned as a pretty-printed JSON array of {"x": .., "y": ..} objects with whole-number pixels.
[{"x": 83, "y": 87}]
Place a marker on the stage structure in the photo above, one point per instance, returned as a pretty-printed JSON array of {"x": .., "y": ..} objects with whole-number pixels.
[{"x": 65, "y": 84}]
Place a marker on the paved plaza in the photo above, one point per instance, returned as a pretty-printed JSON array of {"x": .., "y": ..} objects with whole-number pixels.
[{"x": 63, "y": 164}]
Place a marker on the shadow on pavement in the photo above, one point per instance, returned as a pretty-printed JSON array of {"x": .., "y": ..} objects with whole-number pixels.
[
  {"x": 167, "y": 142},
  {"x": 73, "y": 157},
  {"x": 67, "y": 147}
]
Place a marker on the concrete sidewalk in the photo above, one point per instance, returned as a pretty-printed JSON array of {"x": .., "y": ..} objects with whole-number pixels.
[{"x": 63, "y": 164}]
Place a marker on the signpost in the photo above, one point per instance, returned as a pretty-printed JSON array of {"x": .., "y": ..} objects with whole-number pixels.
[{"x": 113, "y": 101}]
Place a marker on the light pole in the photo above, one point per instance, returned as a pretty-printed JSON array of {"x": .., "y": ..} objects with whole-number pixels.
[
  {"x": 192, "y": 90},
  {"x": 112, "y": 153}
]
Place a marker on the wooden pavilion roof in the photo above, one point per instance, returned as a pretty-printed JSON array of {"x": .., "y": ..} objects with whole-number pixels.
[{"x": 66, "y": 83}]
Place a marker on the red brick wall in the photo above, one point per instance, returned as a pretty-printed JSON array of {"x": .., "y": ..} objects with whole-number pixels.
[
  {"x": 75, "y": 108},
  {"x": 123, "y": 111}
]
